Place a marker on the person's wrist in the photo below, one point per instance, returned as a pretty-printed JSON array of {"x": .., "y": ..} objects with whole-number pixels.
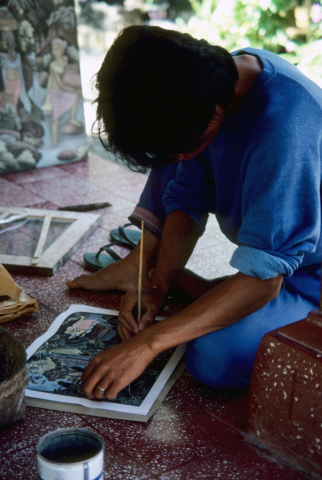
[
  {"x": 152, "y": 339},
  {"x": 158, "y": 288}
]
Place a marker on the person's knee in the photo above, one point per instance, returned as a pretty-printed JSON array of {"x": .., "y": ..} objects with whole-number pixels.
[{"x": 213, "y": 364}]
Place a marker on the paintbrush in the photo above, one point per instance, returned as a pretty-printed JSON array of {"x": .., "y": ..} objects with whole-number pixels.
[{"x": 140, "y": 273}]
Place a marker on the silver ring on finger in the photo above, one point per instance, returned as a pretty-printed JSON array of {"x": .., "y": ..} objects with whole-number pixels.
[{"x": 100, "y": 389}]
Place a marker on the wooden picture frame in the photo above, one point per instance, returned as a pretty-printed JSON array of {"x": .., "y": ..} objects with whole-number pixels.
[{"x": 47, "y": 262}]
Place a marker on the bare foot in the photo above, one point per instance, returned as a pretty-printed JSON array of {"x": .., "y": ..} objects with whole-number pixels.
[{"x": 121, "y": 275}]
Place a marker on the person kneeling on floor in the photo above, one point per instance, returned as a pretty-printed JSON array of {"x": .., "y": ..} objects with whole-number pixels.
[{"x": 236, "y": 134}]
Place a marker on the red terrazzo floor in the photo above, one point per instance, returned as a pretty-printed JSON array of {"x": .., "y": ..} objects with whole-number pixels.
[{"x": 197, "y": 433}]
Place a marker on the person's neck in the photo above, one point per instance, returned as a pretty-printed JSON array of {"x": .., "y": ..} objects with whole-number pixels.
[{"x": 248, "y": 70}]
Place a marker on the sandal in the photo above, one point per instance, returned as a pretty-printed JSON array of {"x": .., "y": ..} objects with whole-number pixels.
[
  {"x": 124, "y": 234},
  {"x": 98, "y": 261}
]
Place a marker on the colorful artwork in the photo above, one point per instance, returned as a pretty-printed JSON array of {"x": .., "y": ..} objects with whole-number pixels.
[
  {"x": 41, "y": 105},
  {"x": 57, "y": 360}
]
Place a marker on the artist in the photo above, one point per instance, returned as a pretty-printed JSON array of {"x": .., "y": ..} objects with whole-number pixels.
[{"x": 235, "y": 134}]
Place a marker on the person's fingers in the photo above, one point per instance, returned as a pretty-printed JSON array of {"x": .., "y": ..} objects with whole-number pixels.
[
  {"x": 113, "y": 389},
  {"x": 97, "y": 371},
  {"x": 120, "y": 330},
  {"x": 90, "y": 386},
  {"x": 126, "y": 318},
  {"x": 114, "y": 381},
  {"x": 110, "y": 391},
  {"x": 147, "y": 319},
  {"x": 102, "y": 375},
  {"x": 151, "y": 305},
  {"x": 124, "y": 334},
  {"x": 112, "y": 370},
  {"x": 90, "y": 369}
]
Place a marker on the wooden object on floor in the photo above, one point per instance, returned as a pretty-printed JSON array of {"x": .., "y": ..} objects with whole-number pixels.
[
  {"x": 78, "y": 227},
  {"x": 285, "y": 408},
  {"x": 42, "y": 239}
]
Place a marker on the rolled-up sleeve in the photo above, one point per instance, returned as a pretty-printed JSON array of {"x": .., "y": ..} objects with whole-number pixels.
[{"x": 281, "y": 202}]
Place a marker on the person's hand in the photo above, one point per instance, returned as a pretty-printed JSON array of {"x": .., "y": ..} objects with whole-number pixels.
[
  {"x": 117, "y": 367},
  {"x": 152, "y": 301}
]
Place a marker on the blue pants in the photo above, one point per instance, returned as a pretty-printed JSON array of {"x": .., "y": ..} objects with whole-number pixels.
[{"x": 224, "y": 359}]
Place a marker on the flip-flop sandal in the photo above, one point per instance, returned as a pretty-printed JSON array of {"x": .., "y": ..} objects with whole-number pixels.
[
  {"x": 98, "y": 261},
  {"x": 124, "y": 234}
]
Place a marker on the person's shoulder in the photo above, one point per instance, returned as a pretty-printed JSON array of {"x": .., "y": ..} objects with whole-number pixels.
[{"x": 288, "y": 76}]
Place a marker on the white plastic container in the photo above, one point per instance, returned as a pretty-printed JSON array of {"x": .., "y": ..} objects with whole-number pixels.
[{"x": 70, "y": 454}]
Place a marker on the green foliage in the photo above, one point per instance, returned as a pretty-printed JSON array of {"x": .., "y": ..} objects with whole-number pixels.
[
  {"x": 205, "y": 8},
  {"x": 263, "y": 22},
  {"x": 242, "y": 23}
]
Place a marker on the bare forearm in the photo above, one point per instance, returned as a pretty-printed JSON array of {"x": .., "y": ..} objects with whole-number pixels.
[
  {"x": 179, "y": 238},
  {"x": 226, "y": 304},
  {"x": 222, "y": 306}
]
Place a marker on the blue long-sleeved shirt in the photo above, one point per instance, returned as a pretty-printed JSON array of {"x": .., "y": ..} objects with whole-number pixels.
[{"x": 261, "y": 176}]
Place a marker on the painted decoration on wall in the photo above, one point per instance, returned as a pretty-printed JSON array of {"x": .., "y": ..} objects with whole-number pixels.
[
  {"x": 57, "y": 359},
  {"x": 41, "y": 105}
]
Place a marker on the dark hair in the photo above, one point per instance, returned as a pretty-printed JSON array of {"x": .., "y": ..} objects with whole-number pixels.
[{"x": 157, "y": 93}]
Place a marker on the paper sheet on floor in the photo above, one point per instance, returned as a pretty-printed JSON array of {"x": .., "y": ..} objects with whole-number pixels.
[{"x": 57, "y": 359}]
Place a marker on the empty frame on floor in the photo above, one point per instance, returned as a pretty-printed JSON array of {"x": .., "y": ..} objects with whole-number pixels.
[{"x": 34, "y": 240}]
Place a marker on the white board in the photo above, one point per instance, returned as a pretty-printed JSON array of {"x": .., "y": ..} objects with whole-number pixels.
[{"x": 57, "y": 358}]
